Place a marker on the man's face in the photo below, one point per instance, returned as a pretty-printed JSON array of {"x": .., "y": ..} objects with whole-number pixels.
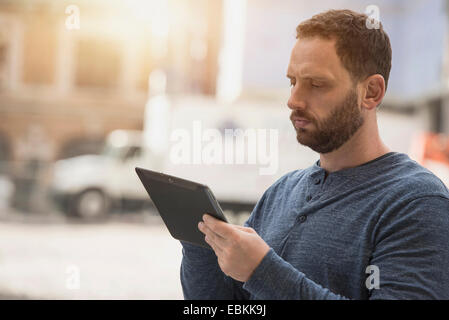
[{"x": 324, "y": 102}]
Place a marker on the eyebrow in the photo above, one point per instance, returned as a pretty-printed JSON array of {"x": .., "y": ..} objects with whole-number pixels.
[{"x": 311, "y": 76}]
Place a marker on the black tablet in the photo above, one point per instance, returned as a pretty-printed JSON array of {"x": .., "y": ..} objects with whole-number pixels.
[{"x": 181, "y": 204}]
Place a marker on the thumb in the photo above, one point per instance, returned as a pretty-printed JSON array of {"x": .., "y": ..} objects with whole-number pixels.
[{"x": 245, "y": 229}]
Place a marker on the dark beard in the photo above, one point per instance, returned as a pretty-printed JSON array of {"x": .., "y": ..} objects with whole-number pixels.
[{"x": 331, "y": 133}]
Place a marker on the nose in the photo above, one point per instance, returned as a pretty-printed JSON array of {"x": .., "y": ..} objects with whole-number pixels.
[{"x": 295, "y": 101}]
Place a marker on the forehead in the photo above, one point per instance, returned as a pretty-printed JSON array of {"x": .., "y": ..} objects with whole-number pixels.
[{"x": 316, "y": 57}]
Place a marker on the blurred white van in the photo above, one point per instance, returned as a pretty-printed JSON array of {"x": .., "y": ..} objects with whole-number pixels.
[{"x": 237, "y": 149}]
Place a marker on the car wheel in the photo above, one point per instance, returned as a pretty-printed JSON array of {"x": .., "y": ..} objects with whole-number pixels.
[{"x": 91, "y": 204}]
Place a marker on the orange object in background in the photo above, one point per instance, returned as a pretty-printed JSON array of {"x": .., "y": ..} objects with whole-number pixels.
[
  {"x": 430, "y": 146},
  {"x": 437, "y": 148},
  {"x": 431, "y": 150}
]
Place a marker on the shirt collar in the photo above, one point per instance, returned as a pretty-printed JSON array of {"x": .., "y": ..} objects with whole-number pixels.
[{"x": 368, "y": 167}]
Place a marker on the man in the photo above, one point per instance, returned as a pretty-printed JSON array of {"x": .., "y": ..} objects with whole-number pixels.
[{"x": 320, "y": 232}]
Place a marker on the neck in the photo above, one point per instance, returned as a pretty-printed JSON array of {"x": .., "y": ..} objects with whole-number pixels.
[{"x": 365, "y": 145}]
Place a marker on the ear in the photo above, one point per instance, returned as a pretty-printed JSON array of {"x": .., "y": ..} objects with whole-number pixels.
[{"x": 373, "y": 91}]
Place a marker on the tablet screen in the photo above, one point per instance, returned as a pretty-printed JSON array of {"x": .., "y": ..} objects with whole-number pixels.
[{"x": 181, "y": 204}]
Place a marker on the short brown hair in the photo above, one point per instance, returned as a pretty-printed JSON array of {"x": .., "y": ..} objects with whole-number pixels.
[{"x": 362, "y": 51}]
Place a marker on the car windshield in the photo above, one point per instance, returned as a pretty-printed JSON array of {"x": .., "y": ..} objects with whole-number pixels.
[
  {"x": 125, "y": 152},
  {"x": 114, "y": 152}
]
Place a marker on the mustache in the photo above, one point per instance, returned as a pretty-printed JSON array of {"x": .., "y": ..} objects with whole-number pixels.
[{"x": 299, "y": 114}]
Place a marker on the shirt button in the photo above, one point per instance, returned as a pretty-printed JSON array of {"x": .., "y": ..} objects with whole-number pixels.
[
  {"x": 302, "y": 218},
  {"x": 317, "y": 181},
  {"x": 309, "y": 197}
]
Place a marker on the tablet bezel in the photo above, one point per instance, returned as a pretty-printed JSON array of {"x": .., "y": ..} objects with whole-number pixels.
[{"x": 146, "y": 176}]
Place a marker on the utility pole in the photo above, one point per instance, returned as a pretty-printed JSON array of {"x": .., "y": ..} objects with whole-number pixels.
[{"x": 229, "y": 82}]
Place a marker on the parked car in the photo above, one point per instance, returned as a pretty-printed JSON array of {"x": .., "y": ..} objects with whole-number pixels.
[{"x": 6, "y": 191}]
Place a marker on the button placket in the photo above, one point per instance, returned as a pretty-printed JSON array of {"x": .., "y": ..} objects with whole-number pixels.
[
  {"x": 298, "y": 221},
  {"x": 318, "y": 185}
]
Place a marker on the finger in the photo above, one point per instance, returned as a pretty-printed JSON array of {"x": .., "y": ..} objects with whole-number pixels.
[
  {"x": 245, "y": 229},
  {"x": 202, "y": 227},
  {"x": 212, "y": 236},
  {"x": 213, "y": 245},
  {"x": 223, "y": 229}
]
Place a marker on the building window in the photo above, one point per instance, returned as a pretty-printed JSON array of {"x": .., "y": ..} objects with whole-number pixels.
[
  {"x": 40, "y": 47},
  {"x": 97, "y": 63},
  {"x": 146, "y": 65},
  {"x": 3, "y": 64},
  {"x": 81, "y": 146}
]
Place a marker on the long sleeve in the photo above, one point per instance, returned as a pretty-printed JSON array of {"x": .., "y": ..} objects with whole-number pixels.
[
  {"x": 201, "y": 276},
  {"x": 412, "y": 256},
  {"x": 412, "y": 251},
  {"x": 276, "y": 279}
]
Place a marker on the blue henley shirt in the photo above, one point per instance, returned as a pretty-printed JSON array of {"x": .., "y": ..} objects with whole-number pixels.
[{"x": 324, "y": 231}]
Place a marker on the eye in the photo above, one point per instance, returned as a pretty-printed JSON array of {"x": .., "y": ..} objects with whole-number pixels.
[{"x": 292, "y": 84}]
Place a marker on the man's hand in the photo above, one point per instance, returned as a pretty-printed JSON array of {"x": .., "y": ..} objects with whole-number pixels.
[{"x": 239, "y": 249}]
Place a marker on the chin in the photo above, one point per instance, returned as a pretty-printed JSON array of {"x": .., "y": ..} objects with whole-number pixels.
[{"x": 305, "y": 141}]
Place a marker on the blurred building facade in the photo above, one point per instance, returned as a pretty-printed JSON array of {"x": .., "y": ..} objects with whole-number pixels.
[
  {"x": 62, "y": 89},
  {"x": 70, "y": 87},
  {"x": 73, "y": 71},
  {"x": 418, "y": 31}
]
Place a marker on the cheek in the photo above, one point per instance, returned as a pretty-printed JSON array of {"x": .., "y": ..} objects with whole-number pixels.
[
  {"x": 321, "y": 103},
  {"x": 319, "y": 107},
  {"x": 324, "y": 99}
]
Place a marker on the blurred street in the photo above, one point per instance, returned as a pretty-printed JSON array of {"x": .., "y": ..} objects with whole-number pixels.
[
  {"x": 195, "y": 89},
  {"x": 120, "y": 259}
]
